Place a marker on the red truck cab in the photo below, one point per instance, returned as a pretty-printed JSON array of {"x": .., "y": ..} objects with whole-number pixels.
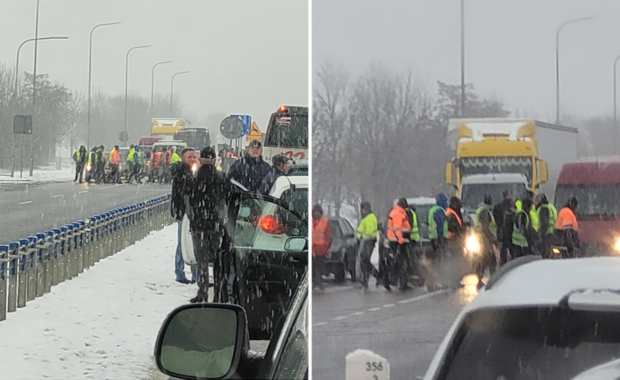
[{"x": 595, "y": 182}]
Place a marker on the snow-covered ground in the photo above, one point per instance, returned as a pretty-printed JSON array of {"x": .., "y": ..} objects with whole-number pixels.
[
  {"x": 40, "y": 175},
  {"x": 102, "y": 324}
]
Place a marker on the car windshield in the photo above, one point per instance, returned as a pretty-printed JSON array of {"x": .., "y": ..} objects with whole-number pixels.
[
  {"x": 532, "y": 343},
  {"x": 473, "y": 194},
  {"x": 297, "y": 200},
  {"x": 593, "y": 200}
]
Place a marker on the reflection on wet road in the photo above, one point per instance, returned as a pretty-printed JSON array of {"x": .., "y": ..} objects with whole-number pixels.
[{"x": 405, "y": 328}]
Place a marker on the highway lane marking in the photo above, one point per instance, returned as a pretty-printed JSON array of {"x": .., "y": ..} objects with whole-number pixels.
[
  {"x": 58, "y": 196},
  {"x": 409, "y": 300},
  {"x": 424, "y": 296},
  {"x": 25, "y": 203},
  {"x": 83, "y": 192}
]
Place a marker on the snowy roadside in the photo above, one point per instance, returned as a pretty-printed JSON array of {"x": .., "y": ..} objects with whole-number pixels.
[
  {"x": 101, "y": 325},
  {"x": 40, "y": 175}
]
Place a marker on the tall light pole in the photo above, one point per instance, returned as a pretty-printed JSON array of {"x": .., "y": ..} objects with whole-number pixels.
[
  {"x": 126, "y": 78},
  {"x": 17, "y": 96},
  {"x": 17, "y": 60},
  {"x": 153, "y": 82},
  {"x": 34, "y": 85},
  {"x": 616, "y": 106},
  {"x": 463, "y": 58},
  {"x": 90, "y": 57},
  {"x": 172, "y": 88},
  {"x": 557, "y": 64}
]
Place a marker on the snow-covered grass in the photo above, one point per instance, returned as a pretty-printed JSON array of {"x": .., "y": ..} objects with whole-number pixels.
[
  {"x": 40, "y": 175},
  {"x": 102, "y": 324}
]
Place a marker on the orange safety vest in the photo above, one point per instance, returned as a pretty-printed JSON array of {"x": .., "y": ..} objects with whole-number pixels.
[
  {"x": 319, "y": 233},
  {"x": 566, "y": 220},
  {"x": 449, "y": 212},
  {"x": 397, "y": 223},
  {"x": 156, "y": 159},
  {"x": 115, "y": 157}
]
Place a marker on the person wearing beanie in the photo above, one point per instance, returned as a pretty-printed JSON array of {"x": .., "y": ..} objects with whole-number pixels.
[
  {"x": 251, "y": 169},
  {"x": 280, "y": 167},
  {"x": 209, "y": 201}
]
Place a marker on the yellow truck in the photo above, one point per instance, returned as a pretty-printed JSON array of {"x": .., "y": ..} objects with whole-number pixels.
[
  {"x": 166, "y": 128},
  {"x": 493, "y": 154}
]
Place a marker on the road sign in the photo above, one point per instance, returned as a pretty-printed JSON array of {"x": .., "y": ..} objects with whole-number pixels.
[
  {"x": 22, "y": 124},
  {"x": 247, "y": 121},
  {"x": 231, "y": 127},
  {"x": 254, "y": 134},
  {"x": 123, "y": 137}
]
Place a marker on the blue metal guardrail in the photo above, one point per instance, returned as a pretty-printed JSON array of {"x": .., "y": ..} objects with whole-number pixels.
[{"x": 30, "y": 267}]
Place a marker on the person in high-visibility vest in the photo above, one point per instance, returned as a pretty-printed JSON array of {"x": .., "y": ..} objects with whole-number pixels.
[
  {"x": 321, "y": 241},
  {"x": 547, "y": 214},
  {"x": 438, "y": 225},
  {"x": 130, "y": 162},
  {"x": 486, "y": 228},
  {"x": 115, "y": 159},
  {"x": 524, "y": 236},
  {"x": 503, "y": 213},
  {"x": 567, "y": 227},
  {"x": 456, "y": 241},
  {"x": 367, "y": 236},
  {"x": 80, "y": 158},
  {"x": 398, "y": 233},
  {"x": 533, "y": 212}
]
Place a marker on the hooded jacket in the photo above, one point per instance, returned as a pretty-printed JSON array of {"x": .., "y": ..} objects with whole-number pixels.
[
  {"x": 249, "y": 172},
  {"x": 182, "y": 185},
  {"x": 270, "y": 179},
  {"x": 440, "y": 217},
  {"x": 209, "y": 199}
]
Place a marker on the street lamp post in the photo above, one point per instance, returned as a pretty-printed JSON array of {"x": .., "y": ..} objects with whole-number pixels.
[
  {"x": 153, "y": 82},
  {"x": 557, "y": 64},
  {"x": 172, "y": 88},
  {"x": 616, "y": 106},
  {"x": 90, "y": 56},
  {"x": 127, "y": 77},
  {"x": 34, "y": 85},
  {"x": 17, "y": 96},
  {"x": 463, "y": 58}
]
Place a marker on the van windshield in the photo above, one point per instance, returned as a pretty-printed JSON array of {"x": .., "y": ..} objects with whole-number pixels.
[
  {"x": 594, "y": 200},
  {"x": 473, "y": 194}
]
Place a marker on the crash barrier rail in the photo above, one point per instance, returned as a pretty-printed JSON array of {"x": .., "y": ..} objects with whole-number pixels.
[{"x": 30, "y": 267}]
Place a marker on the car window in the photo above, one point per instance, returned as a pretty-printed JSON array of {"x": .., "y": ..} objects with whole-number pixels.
[
  {"x": 532, "y": 343},
  {"x": 335, "y": 227},
  {"x": 264, "y": 225},
  {"x": 293, "y": 364},
  {"x": 346, "y": 227},
  {"x": 297, "y": 200}
]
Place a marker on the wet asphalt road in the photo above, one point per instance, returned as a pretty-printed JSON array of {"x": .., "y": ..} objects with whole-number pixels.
[
  {"x": 404, "y": 328},
  {"x": 30, "y": 208}
]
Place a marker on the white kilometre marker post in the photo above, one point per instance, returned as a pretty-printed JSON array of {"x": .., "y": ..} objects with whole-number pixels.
[{"x": 366, "y": 365}]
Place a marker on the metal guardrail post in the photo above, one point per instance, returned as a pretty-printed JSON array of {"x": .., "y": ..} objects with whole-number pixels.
[
  {"x": 103, "y": 231},
  {"x": 68, "y": 241},
  {"x": 91, "y": 242},
  {"x": 143, "y": 219},
  {"x": 4, "y": 256},
  {"x": 50, "y": 261},
  {"x": 22, "y": 275},
  {"x": 81, "y": 241},
  {"x": 12, "y": 269},
  {"x": 134, "y": 224},
  {"x": 31, "y": 268},
  {"x": 62, "y": 256},
  {"x": 77, "y": 258},
  {"x": 40, "y": 266},
  {"x": 97, "y": 251}
]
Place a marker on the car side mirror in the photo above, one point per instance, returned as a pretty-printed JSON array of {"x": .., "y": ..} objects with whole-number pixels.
[
  {"x": 296, "y": 244},
  {"x": 203, "y": 341}
]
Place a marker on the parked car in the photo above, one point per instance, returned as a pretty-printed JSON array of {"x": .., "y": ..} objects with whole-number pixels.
[
  {"x": 211, "y": 341},
  {"x": 268, "y": 255},
  {"x": 342, "y": 254},
  {"x": 298, "y": 168},
  {"x": 537, "y": 319}
]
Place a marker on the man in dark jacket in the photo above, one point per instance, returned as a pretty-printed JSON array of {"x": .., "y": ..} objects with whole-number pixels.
[
  {"x": 209, "y": 203},
  {"x": 504, "y": 218},
  {"x": 80, "y": 157},
  {"x": 251, "y": 169},
  {"x": 182, "y": 185},
  {"x": 280, "y": 167},
  {"x": 524, "y": 237}
]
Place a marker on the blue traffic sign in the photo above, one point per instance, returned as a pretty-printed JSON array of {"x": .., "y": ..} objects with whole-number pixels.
[{"x": 247, "y": 122}]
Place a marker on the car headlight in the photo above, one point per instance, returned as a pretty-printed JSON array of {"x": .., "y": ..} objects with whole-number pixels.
[
  {"x": 194, "y": 168},
  {"x": 87, "y": 168},
  {"x": 472, "y": 244},
  {"x": 617, "y": 245}
]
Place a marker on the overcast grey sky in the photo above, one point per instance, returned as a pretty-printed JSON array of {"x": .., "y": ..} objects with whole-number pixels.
[
  {"x": 245, "y": 56},
  {"x": 510, "y": 46}
]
